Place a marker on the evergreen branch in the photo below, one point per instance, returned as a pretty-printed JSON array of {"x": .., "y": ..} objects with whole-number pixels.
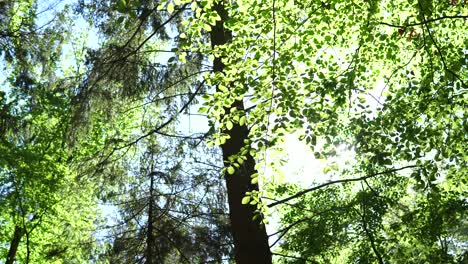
[
  {"x": 156, "y": 130},
  {"x": 142, "y": 21},
  {"x": 155, "y": 31},
  {"x": 163, "y": 125}
]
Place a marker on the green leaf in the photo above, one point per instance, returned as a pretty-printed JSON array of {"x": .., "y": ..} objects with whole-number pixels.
[
  {"x": 207, "y": 27},
  {"x": 202, "y": 110},
  {"x": 229, "y": 125},
  {"x": 230, "y": 170},
  {"x": 242, "y": 120},
  {"x": 170, "y": 8},
  {"x": 246, "y": 200},
  {"x": 254, "y": 180},
  {"x": 120, "y": 20},
  {"x": 255, "y": 217},
  {"x": 122, "y": 6}
]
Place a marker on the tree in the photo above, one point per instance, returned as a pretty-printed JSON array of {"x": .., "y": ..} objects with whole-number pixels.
[
  {"x": 48, "y": 212},
  {"x": 162, "y": 180},
  {"x": 47, "y": 216},
  {"x": 175, "y": 208},
  {"x": 108, "y": 62},
  {"x": 250, "y": 238}
]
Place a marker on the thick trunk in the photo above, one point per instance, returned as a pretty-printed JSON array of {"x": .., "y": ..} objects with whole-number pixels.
[
  {"x": 250, "y": 238},
  {"x": 18, "y": 234}
]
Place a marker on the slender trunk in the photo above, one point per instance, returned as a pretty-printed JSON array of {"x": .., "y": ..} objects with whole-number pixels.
[
  {"x": 250, "y": 238},
  {"x": 150, "y": 228},
  {"x": 17, "y": 235}
]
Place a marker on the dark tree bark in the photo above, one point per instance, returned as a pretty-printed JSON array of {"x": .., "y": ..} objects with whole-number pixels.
[
  {"x": 250, "y": 238},
  {"x": 17, "y": 235}
]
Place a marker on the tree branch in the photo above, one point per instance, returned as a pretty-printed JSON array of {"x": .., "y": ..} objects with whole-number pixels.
[
  {"x": 155, "y": 31},
  {"x": 338, "y": 181},
  {"x": 284, "y": 231},
  {"x": 368, "y": 232},
  {"x": 151, "y": 132},
  {"x": 288, "y": 256},
  {"x": 160, "y": 127},
  {"x": 424, "y": 22},
  {"x": 438, "y": 48}
]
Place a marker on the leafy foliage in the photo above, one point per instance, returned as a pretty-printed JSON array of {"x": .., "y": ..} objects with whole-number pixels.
[{"x": 385, "y": 80}]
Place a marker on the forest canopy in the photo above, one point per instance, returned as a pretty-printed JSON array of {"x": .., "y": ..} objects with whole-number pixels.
[{"x": 137, "y": 131}]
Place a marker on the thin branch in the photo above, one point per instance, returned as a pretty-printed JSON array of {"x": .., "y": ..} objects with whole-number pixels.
[
  {"x": 153, "y": 131},
  {"x": 208, "y": 164},
  {"x": 438, "y": 48},
  {"x": 160, "y": 127},
  {"x": 299, "y": 206},
  {"x": 338, "y": 181},
  {"x": 142, "y": 21},
  {"x": 284, "y": 231},
  {"x": 288, "y": 256},
  {"x": 367, "y": 231},
  {"x": 174, "y": 244},
  {"x": 396, "y": 70},
  {"x": 155, "y": 31},
  {"x": 201, "y": 135},
  {"x": 273, "y": 80},
  {"x": 425, "y": 22}
]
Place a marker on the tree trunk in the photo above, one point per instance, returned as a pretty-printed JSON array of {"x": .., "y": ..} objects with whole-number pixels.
[
  {"x": 18, "y": 234},
  {"x": 150, "y": 228},
  {"x": 250, "y": 238}
]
